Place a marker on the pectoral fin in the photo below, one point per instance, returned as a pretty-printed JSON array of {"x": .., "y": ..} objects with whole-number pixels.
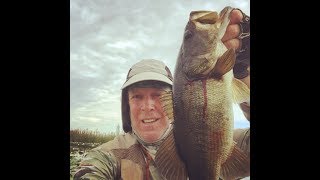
[
  {"x": 168, "y": 160},
  {"x": 240, "y": 91},
  {"x": 236, "y": 166},
  {"x": 225, "y": 63}
]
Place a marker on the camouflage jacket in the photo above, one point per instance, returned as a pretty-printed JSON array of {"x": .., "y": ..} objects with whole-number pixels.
[
  {"x": 125, "y": 158},
  {"x": 121, "y": 158}
]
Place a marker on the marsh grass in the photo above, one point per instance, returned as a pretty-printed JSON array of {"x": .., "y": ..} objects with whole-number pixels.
[
  {"x": 82, "y": 141},
  {"x": 87, "y": 136}
]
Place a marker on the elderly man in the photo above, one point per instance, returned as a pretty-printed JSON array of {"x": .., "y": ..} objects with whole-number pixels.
[{"x": 132, "y": 155}]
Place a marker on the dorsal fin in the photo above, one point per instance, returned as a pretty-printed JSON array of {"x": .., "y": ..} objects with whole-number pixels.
[{"x": 166, "y": 99}]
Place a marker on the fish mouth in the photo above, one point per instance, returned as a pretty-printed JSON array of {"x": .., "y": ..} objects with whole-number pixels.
[
  {"x": 205, "y": 17},
  {"x": 151, "y": 120}
]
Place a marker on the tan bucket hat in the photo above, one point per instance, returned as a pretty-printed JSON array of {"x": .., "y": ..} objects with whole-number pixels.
[
  {"x": 148, "y": 69},
  {"x": 144, "y": 70}
]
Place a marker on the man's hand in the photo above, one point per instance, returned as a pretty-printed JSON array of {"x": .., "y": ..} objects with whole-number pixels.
[
  {"x": 237, "y": 36},
  {"x": 230, "y": 38}
]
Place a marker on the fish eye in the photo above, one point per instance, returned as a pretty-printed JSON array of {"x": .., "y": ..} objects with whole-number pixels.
[{"x": 187, "y": 34}]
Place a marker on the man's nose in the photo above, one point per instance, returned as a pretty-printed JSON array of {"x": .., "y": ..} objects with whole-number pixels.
[{"x": 148, "y": 104}]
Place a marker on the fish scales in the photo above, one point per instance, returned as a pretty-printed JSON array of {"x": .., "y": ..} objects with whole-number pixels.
[
  {"x": 204, "y": 90},
  {"x": 202, "y": 100}
]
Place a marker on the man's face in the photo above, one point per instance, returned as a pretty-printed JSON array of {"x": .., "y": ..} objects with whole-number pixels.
[{"x": 147, "y": 116}]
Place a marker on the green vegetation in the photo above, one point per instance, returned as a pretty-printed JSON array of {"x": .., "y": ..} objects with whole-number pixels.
[
  {"x": 87, "y": 136},
  {"x": 83, "y": 140},
  {"x": 75, "y": 159}
]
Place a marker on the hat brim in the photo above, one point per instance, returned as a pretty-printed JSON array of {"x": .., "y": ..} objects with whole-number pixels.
[{"x": 146, "y": 76}]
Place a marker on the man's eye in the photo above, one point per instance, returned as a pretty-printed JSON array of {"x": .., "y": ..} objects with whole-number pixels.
[{"x": 137, "y": 97}]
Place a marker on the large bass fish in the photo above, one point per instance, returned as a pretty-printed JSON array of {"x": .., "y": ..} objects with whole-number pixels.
[{"x": 204, "y": 91}]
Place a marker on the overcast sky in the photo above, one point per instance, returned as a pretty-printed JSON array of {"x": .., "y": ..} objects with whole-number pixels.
[{"x": 108, "y": 36}]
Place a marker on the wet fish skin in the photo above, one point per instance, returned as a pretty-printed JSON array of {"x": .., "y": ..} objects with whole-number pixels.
[
  {"x": 203, "y": 95},
  {"x": 201, "y": 145}
]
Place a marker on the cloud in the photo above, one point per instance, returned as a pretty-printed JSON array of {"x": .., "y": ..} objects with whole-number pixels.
[{"x": 108, "y": 37}]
